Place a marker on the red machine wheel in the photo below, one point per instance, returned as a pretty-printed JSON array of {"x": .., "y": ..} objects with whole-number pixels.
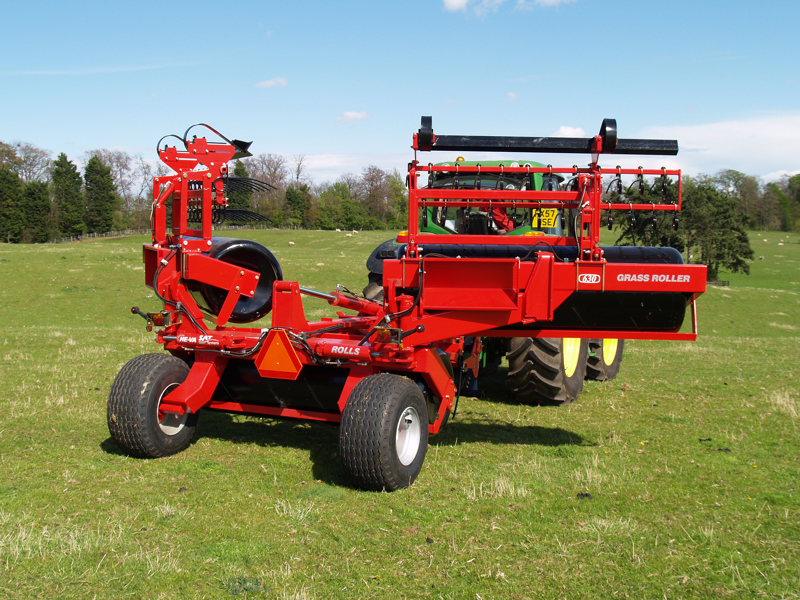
[
  {"x": 134, "y": 419},
  {"x": 383, "y": 436},
  {"x": 547, "y": 371},
  {"x": 607, "y": 359}
]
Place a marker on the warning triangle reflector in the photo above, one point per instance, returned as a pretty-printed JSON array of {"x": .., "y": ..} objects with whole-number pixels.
[{"x": 278, "y": 359}]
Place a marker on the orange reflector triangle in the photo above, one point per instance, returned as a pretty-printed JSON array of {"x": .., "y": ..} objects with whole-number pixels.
[{"x": 278, "y": 359}]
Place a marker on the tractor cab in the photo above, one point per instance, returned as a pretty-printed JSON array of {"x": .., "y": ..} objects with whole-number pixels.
[{"x": 493, "y": 220}]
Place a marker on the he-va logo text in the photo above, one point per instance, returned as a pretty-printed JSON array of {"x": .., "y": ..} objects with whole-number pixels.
[{"x": 203, "y": 339}]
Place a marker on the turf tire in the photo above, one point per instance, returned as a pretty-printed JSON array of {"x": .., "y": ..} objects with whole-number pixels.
[
  {"x": 378, "y": 451},
  {"x": 538, "y": 374},
  {"x": 133, "y": 418},
  {"x": 607, "y": 359}
]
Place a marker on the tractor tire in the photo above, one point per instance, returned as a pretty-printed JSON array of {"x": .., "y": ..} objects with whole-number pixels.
[
  {"x": 374, "y": 291},
  {"x": 383, "y": 435},
  {"x": 547, "y": 371},
  {"x": 133, "y": 417},
  {"x": 605, "y": 364}
]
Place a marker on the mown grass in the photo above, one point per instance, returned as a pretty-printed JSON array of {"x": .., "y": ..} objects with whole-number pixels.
[{"x": 676, "y": 480}]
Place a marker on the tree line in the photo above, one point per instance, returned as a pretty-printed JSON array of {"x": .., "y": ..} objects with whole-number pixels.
[{"x": 42, "y": 199}]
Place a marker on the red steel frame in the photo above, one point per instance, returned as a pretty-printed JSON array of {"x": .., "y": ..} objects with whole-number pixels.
[{"x": 407, "y": 334}]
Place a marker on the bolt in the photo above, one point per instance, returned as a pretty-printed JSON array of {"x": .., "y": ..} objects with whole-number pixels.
[
  {"x": 237, "y": 288},
  {"x": 209, "y": 175},
  {"x": 252, "y": 292},
  {"x": 257, "y": 277},
  {"x": 241, "y": 273}
]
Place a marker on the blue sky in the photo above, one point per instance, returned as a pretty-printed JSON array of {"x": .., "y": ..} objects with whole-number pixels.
[{"x": 345, "y": 83}]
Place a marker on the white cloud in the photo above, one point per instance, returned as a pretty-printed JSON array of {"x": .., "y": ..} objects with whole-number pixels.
[
  {"x": 350, "y": 115},
  {"x": 511, "y": 96},
  {"x": 764, "y": 144},
  {"x": 329, "y": 167},
  {"x": 484, "y": 7},
  {"x": 529, "y": 4},
  {"x": 567, "y": 131},
  {"x": 778, "y": 175},
  {"x": 277, "y": 82}
]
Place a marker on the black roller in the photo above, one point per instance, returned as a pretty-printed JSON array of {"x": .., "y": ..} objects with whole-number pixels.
[
  {"x": 317, "y": 389},
  {"x": 248, "y": 255}
]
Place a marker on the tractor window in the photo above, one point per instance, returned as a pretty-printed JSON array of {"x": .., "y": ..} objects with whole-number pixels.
[{"x": 451, "y": 220}]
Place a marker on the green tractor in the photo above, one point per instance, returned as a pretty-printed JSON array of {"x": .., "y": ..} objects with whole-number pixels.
[{"x": 543, "y": 371}]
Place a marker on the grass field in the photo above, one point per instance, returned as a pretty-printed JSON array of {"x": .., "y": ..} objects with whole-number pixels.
[{"x": 677, "y": 480}]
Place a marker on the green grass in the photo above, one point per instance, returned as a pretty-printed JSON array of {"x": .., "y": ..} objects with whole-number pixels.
[{"x": 690, "y": 458}]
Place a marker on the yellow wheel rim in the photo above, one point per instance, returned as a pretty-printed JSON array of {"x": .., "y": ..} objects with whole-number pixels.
[
  {"x": 609, "y": 351},
  {"x": 571, "y": 349}
]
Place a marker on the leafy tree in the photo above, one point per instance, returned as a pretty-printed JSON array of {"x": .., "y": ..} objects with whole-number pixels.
[
  {"x": 34, "y": 162},
  {"x": 781, "y": 201},
  {"x": 28, "y": 161},
  {"x": 272, "y": 169},
  {"x": 298, "y": 205},
  {"x": 354, "y": 215},
  {"x": 330, "y": 206},
  {"x": 746, "y": 192},
  {"x": 240, "y": 198},
  {"x": 374, "y": 191},
  {"x": 709, "y": 223},
  {"x": 37, "y": 223},
  {"x": 649, "y": 229},
  {"x": 10, "y": 206},
  {"x": 9, "y": 158},
  {"x": 398, "y": 201},
  {"x": 793, "y": 191},
  {"x": 337, "y": 209},
  {"x": 712, "y": 224},
  {"x": 100, "y": 196},
  {"x": 67, "y": 196}
]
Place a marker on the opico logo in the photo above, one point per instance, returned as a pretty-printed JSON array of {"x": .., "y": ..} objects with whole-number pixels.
[{"x": 589, "y": 278}]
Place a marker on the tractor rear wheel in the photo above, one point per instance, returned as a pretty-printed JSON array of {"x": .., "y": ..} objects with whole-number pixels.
[
  {"x": 605, "y": 363},
  {"x": 134, "y": 419},
  {"x": 383, "y": 435},
  {"x": 547, "y": 371},
  {"x": 374, "y": 289}
]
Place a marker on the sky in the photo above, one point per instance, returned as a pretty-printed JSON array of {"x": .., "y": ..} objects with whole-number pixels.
[{"x": 345, "y": 83}]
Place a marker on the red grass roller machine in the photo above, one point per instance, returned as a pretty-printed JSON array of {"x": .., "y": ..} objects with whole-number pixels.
[{"x": 390, "y": 369}]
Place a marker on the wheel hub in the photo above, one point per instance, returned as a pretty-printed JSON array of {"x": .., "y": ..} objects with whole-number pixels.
[
  {"x": 170, "y": 423},
  {"x": 408, "y": 435},
  {"x": 609, "y": 350},
  {"x": 571, "y": 349}
]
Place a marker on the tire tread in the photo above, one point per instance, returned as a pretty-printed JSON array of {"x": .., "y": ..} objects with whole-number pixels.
[{"x": 128, "y": 405}]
